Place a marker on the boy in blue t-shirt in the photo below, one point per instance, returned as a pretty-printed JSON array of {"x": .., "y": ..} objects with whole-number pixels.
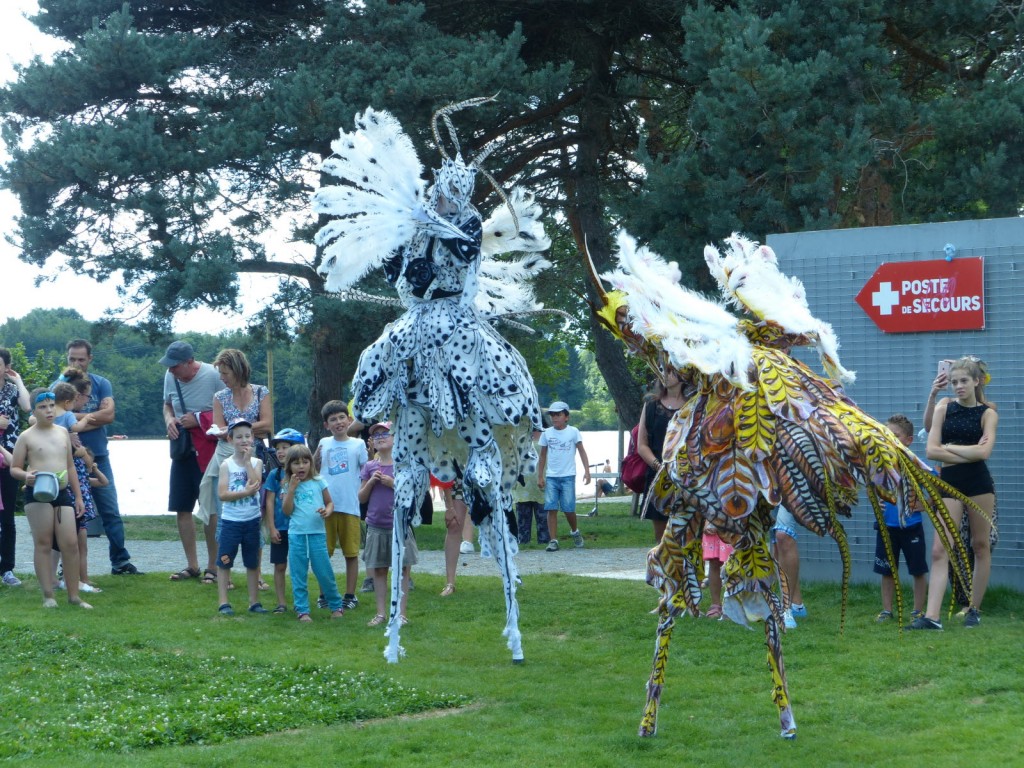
[
  {"x": 274, "y": 517},
  {"x": 907, "y": 538}
]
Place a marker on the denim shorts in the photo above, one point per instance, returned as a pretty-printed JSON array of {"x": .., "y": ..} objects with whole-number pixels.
[
  {"x": 560, "y": 493},
  {"x": 234, "y": 534},
  {"x": 785, "y": 522}
]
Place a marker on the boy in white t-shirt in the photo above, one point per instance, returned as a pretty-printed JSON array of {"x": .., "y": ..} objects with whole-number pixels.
[
  {"x": 556, "y": 472},
  {"x": 339, "y": 459},
  {"x": 241, "y": 475}
]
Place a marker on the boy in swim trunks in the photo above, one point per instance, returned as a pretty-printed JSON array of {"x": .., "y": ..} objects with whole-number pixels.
[{"x": 45, "y": 447}]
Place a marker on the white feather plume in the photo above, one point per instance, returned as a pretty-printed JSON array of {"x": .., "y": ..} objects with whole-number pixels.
[
  {"x": 750, "y": 279},
  {"x": 500, "y": 233},
  {"x": 692, "y": 330},
  {"x": 505, "y": 286},
  {"x": 375, "y": 211}
]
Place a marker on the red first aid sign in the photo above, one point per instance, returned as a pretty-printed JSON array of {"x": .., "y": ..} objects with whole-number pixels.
[{"x": 915, "y": 296}]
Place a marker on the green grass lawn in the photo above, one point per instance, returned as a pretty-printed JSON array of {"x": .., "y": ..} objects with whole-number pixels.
[{"x": 152, "y": 662}]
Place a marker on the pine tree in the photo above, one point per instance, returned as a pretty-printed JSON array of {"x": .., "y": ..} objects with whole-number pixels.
[{"x": 177, "y": 145}]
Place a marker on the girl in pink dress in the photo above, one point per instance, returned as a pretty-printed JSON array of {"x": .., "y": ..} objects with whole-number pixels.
[{"x": 716, "y": 552}]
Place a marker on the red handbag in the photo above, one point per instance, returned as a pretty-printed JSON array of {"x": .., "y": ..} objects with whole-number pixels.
[{"x": 634, "y": 469}]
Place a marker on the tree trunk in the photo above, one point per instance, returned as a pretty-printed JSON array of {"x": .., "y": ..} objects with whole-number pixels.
[
  {"x": 587, "y": 218},
  {"x": 329, "y": 347}
]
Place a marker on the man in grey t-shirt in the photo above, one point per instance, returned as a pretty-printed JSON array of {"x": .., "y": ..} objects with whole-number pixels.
[{"x": 194, "y": 383}]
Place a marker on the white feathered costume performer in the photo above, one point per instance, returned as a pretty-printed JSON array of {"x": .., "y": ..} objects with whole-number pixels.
[{"x": 461, "y": 400}]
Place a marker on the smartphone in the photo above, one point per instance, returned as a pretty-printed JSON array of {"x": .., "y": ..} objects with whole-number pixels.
[{"x": 944, "y": 366}]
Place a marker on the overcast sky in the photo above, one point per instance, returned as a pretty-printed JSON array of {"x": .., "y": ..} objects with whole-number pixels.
[{"x": 20, "y": 41}]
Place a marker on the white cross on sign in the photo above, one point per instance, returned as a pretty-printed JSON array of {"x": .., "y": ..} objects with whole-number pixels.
[{"x": 885, "y": 298}]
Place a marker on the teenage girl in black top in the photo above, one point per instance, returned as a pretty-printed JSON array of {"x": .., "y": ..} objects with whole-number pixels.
[
  {"x": 650, "y": 438},
  {"x": 962, "y": 437}
]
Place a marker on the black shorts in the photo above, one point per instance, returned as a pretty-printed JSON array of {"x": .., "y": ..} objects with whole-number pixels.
[
  {"x": 279, "y": 552},
  {"x": 64, "y": 498},
  {"x": 185, "y": 479},
  {"x": 970, "y": 479},
  {"x": 910, "y": 541}
]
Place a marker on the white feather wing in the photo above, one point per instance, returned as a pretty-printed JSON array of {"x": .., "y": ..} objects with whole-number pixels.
[
  {"x": 505, "y": 286},
  {"x": 501, "y": 233},
  {"x": 374, "y": 211}
]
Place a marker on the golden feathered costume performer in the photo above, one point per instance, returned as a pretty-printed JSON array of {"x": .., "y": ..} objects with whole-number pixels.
[{"x": 759, "y": 429}]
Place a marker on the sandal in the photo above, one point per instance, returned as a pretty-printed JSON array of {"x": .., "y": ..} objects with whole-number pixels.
[
  {"x": 185, "y": 574},
  {"x": 209, "y": 577},
  {"x": 448, "y": 591},
  {"x": 338, "y": 613},
  {"x": 403, "y": 620},
  {"x": 714, "y": 612},
  {"x": 377, "y": 620},
  {"x": 281, "y": 608},
  {"x": 304, "y": 617},
  {"x": 262, "y": 586}
]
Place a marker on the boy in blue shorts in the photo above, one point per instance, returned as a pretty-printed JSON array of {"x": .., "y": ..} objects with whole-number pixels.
[
  {"x": 907, "y": 538},
  {"x": 556, "y": 472},
  {"x": 239, "y": 490},
  {"x": 274, "y": 517}
]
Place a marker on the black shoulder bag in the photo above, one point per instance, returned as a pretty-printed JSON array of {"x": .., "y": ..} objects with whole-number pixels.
[{"x": 181, "y": 446}]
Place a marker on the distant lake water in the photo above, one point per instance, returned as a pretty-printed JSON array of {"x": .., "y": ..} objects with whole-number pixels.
[{"x": 142, "y": 469}]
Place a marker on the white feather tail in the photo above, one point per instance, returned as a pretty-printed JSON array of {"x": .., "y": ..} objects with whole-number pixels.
[{"x": 375, "y": 210}]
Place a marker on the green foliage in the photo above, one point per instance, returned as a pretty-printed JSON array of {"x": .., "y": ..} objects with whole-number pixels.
[
  {"x": 130, "y": 359},
  {"x": 598, "y": 410},
  {"x": 36, "y": 370},
  {"x": 172, "y": 145},
  {"x": 789, "y": 115}
]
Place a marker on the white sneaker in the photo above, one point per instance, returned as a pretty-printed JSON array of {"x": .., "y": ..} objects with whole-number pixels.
[
  {"x": 84, "y": 586},
  {"x": 467, "y": 548},
  {"x": 788, "y": 620},
  {"x": 577, "y": 538},
  {"x": 10, "y": 579}
]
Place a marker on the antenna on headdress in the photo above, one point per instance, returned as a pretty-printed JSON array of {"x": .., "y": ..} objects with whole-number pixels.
[
  {"x": 592, "y": 273},
  {"x": 444, "y": 114}
]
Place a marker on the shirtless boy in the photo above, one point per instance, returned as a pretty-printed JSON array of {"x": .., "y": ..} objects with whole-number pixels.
[{"x": 45, "y": 447}]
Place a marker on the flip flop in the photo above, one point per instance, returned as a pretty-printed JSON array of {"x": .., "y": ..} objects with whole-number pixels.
[{"x": 185, "y": 574}]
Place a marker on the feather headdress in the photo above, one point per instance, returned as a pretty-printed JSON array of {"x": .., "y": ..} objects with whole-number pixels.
[
  {"x": 691, "y": 329},
  {"x": 750, "y": 279},
  {"x": 380, "y": 207}
]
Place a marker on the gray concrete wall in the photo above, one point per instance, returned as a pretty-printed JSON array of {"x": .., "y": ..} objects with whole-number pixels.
[{"x": 895, "y": 371}]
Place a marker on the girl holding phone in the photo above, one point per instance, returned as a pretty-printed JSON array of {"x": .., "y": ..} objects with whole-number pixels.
[{"x": 961, "y": 436}]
